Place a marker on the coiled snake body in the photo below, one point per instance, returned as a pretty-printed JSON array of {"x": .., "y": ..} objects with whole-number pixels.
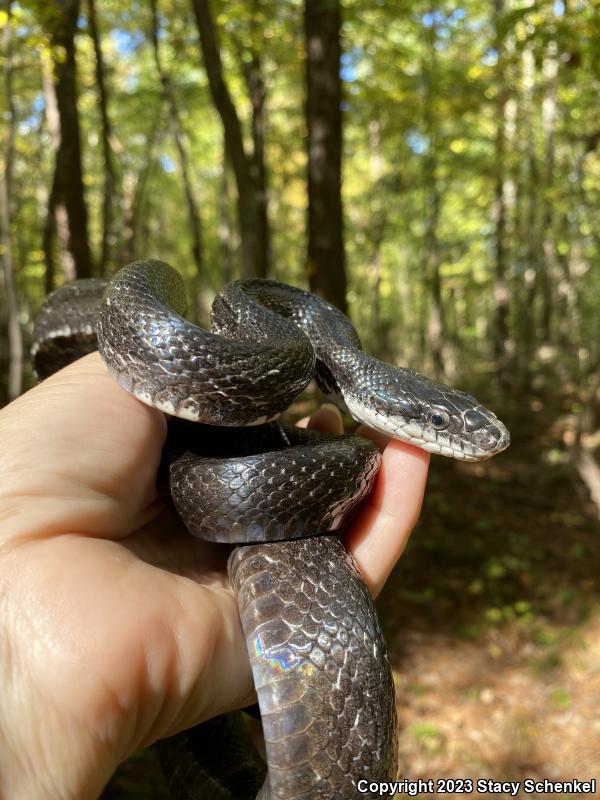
[{"x": 317, "y": 654}]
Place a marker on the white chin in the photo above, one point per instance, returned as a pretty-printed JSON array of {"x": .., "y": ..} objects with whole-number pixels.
[{"x": 408, "y": 432}]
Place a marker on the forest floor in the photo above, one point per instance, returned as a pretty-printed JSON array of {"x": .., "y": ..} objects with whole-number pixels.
[{"x": 492, "y": 619}]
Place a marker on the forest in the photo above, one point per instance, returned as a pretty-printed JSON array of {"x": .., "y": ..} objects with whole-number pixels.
[{"x": 430, "y": 167}]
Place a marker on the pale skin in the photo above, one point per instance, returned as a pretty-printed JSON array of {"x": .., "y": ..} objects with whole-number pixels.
[{"x": 117, "y": 628}]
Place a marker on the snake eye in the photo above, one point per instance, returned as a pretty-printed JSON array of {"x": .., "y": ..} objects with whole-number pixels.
[{"x": 439, "y": 420}]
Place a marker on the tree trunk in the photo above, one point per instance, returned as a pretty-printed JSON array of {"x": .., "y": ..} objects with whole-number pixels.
[
  {"x": 134, "y": 194},
  {"x": 51, "y": 227},
  {"x": 256, "y": 89},
  {"x": 15, "y": 337},
  {"x": 432, "y": 193},
  {"x": 109, "y": 231},
  {"x": 59, "y": 18},
  {"x": 530, "y": 243},
  {"x": 226, "y": 228},
  {"x": 378, "y": 222},
  {"x": 326, "y": 258},
  {"x": 255, "y": 85},
  {"x": 247, "y": 193},
  {"x": 177, "y": 131},
  {"x": 568, "y": 309},
  {"x": 501, "y": 290},
  {"x": 548, "y": 233}
]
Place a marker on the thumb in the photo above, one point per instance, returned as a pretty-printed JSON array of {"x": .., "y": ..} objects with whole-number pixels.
[{"x": 79, "y": 455}]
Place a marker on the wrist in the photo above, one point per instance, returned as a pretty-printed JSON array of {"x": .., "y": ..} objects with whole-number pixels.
[
  {"x": 40, "y": 759},
  {"x": 38, "y": 776},
  {"x": 46, "y": 752}
]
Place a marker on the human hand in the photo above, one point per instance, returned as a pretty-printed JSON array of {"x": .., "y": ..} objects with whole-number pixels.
[{"x": 117, "y": 628}]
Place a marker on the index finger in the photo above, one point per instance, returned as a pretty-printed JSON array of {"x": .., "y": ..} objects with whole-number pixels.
[{"x": 383, "y": 524}]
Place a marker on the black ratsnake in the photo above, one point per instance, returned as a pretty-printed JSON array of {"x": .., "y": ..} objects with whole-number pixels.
[{"x": 318, "y": 658}]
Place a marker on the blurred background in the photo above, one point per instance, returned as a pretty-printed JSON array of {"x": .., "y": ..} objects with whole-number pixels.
[{"x": 434, "y": 169}]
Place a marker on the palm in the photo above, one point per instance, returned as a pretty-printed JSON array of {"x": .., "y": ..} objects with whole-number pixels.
[{"x": 122, "y": 626}]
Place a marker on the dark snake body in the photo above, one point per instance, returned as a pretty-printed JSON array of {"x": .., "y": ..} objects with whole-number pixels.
[{"x": 317, "y": 654}]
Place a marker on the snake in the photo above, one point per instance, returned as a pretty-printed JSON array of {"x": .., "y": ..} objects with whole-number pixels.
[{"x": 277, "y": 495}]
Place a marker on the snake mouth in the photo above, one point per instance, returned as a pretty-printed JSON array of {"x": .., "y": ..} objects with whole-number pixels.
[
  {"x": 466, "y": 451},
  {"x": 479, "y": 446}
]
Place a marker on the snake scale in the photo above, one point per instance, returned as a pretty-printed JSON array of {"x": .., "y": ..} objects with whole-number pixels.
[{"x": 318, "y": 657}]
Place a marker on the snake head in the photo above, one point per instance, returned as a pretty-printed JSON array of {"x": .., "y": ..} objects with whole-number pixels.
[
  {"x": 430, "y": 415},
  {"x": 455, "y": 424}
]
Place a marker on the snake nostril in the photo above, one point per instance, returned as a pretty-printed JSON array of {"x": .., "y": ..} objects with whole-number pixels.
[
  {"x": 474, "y": 420},
  {"x": 487, "y": 438}
]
